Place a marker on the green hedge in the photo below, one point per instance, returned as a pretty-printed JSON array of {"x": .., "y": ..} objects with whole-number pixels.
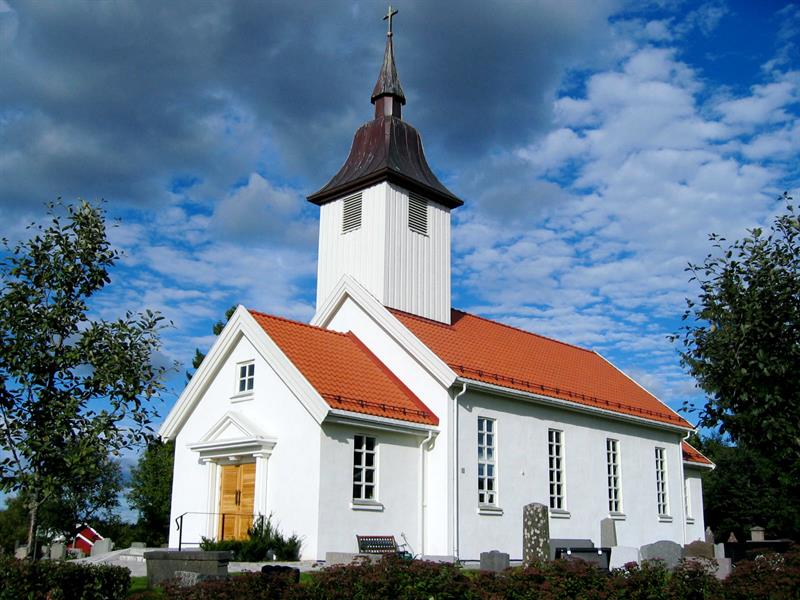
[
  {"x": 48, "y": 580},
  {"x": 773, "y": 576}
]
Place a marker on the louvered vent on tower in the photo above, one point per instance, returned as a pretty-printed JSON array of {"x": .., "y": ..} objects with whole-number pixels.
[
  {"x": 417, "y": 214},
  {"x": 351, "y": 213}
]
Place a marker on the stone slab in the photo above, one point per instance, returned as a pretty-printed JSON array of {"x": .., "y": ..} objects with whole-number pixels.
[
  {"x": 163, "y": 564},
  {"x": 600, "y": 557},
  {"x": 699, "y": 549},
  {"x": 138, "y": 545},
  {"x": 103, "y": 546},
  {"x": 622, "y": 555},
  {"x": 21, "y": 552},
  {"x": 608, "y": 532},
  {"x": 719, "y": 551},
  {"x": 724, "y": 568},
  {"x": 58, "y": 551},
  {"x": 495, "y": 560},
  {"x": 346, "y": 558},
  {"x": 535, "y": 533},
  {"x": 568, "y": 543},
  {"x": 666, "y": 550},
  {"x": 190, "y": 578}
]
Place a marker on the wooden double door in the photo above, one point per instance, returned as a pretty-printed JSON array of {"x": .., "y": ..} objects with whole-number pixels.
[{"x": 236, "y": 500}]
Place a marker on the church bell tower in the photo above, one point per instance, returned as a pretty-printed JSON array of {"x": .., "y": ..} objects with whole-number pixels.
[{"x": 385, "y": 217}]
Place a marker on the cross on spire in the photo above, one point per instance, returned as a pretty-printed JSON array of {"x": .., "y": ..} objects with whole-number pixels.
[{"x": 388, "y": 17}]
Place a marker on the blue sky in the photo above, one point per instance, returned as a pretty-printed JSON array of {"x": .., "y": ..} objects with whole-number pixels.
[{"x": 595, "y": 144}]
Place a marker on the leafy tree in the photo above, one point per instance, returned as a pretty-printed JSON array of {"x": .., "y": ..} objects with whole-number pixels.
[
  {"x": 71, "y": 387},
  {"x": 743, "y": 491},
  {"x": 94, "y": 495},
  {"x": 151, "y": 490},
  {"x": 13, "y": 526},
  {"x": 742, "y": 340}
]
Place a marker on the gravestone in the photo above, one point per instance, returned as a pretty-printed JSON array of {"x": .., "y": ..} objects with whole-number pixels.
[
  {"x": 103, "y": 546},
  {"x": 556, "y": 543},
  {"x": 599, "y": 557},
  {"x": 709, "y": 535},
  {"x": 608, "y": 532},
  {"x": 670, "y": 552},
  {"x": 495, "y": 561},
  {"x": 162, "y": 565},
  {"x": 21, "y": 552},
  {"x": 535, "y": 533},
  {"x": 757, "y": 534},
  {"x": 622, "y": 555},
  {"x": 58, "y": 551},
  {"x": 724, "y": 568},
  {"x": 699, "y": 549},
  {"x": 719, "y": 551},
  {"x": 188, "y": 578},
  {"x": 138, "y": 545}
]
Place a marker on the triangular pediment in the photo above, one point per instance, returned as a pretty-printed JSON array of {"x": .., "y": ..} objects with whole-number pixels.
[{"x": 232, "y": 426}]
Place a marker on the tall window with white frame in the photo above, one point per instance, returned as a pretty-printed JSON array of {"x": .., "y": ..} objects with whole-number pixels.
[
  {"x": 687, "y": 500},
  {"x": 613, "y": 476},
  {"x": 555, "y": 450},
  {"x": 247, "y": 373},
  {"x": 364, "y": 468},
  {"x": 661, "y": 482},
  {"x": 487, "y": 472}
]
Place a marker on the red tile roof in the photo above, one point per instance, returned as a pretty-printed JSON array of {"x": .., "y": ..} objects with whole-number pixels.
[
  {"x": 693, "y": 455},
  {"x": 344, "y": 372},
  {"x": 483, "y": 350}
]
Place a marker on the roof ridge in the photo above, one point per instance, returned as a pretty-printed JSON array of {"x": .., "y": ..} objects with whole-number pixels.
[
  {"x": 294, "y": 322},
  {"x": 539, "y": 335}
]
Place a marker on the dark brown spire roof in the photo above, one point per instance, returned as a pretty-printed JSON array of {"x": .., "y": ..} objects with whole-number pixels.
[
  {"x": 387, "y": 148},
  {"x": 388, "y": 83}
]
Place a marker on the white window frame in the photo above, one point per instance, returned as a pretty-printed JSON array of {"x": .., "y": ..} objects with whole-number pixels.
[
  {"x": 365, "y": 491},
  {"x": 662, "y": 491},
  {"x": 614, "y": 476},
  {"x": 245, "y": 374},
  {"x": 556, "y": 470},
  {"x": 487, "y": 462}
]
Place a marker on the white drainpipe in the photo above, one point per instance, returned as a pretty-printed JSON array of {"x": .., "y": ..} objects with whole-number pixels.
[
  {"x": 428, "y": 441},
  {"x": 455, "y": 469}
]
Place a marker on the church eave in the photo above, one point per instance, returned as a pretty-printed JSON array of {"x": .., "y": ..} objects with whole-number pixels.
[{"x": 328, "y": 194}]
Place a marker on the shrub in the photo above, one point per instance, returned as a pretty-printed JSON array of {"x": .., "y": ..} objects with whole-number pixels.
[
  {"x": 250, "y": 586},
  {"x": 391, "y": 577},
  {"x": 773, "y": 576},
  {"x": 263, "y": 536},
  {"x": 61, "y": 581}
]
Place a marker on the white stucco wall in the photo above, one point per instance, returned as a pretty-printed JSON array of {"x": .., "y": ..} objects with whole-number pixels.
[
  {"x": 292, "y": 487},
  {"x": 397, "y": 491},
  {"x": 523, "y": 477},
  {"x": 695, "y": 525},
  {"x": 438, "y": 470}
]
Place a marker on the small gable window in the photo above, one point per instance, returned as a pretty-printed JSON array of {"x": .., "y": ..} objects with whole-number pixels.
[
  {"x": 246, "y": 378},
  {"x": 351, "y": 213},
  {"x": 417, "y": 214},
  {"x": 364, "y": 468}
]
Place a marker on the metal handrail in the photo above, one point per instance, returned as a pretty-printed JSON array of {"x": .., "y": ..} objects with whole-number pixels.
[{"x": 179, "y": 522}]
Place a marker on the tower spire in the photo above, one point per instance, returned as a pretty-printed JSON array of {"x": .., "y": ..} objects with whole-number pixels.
[{"x": 387, "y": 95}]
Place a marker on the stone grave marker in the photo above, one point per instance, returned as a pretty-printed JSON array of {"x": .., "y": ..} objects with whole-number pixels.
[
  {"x": 698, "y": 549},
  {"x": 58, "y": 551},
  {"x": 670, "y": 552},
  {"x": 495, "y": 561},
  {"x": 608, "y": 532},
  {"x": 535, "y": 533},
  {"x": 709, "y": 535},
  {"x": 103, "y": 546}
]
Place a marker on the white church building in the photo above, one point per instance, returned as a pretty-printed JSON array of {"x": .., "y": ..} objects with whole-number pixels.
[{"x": 392, "y": 413}]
